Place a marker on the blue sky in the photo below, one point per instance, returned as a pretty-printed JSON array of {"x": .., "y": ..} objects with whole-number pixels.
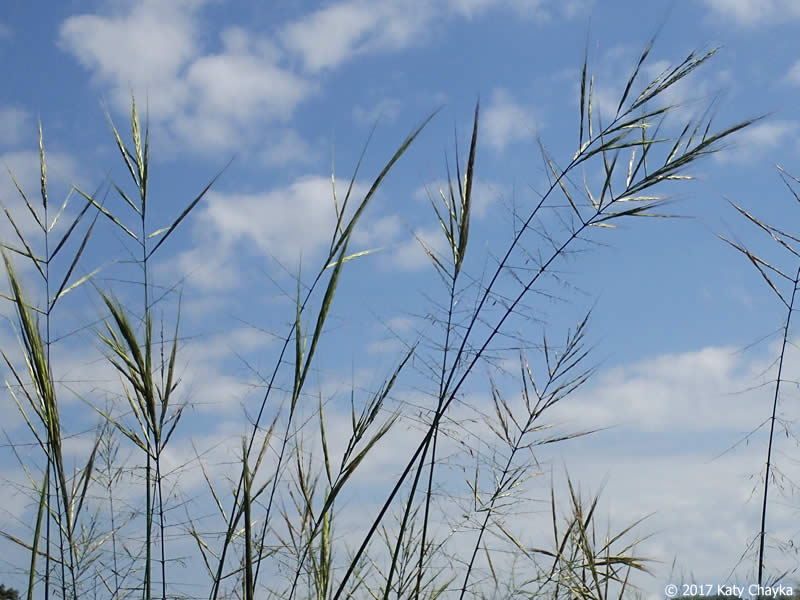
[{"x": 281, "y": 85}]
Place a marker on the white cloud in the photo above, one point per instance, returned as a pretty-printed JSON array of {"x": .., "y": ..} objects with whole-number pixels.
[
  {"x": 757, "y": 139},
  {"x": 385, "y": 346},
  {"x": 287, "y": 147},
  {"x": 209, "y": 387},
  {"x": 385, "y": 110},
  {"x": 225, "y": 100},
  {"x": 281, "y": 223},
  {"x": 484, "y": 194},
  {"x": 221, "y": 345},
  {"x": 163, "y": 38},
  {"x": 535, "y": 10},
  {"x": 336, "y": 33},
  {"x": 755, "y": 12},
  {"x": 235, "y": 89},
  {"x": 576, "y": 8},
  {"x": 401, "y": 324},
  {"x": 505, "y": 121},
  {"x": 793, "y": 76},
  {"x": 531, "y": 9},
  {"x": 702, "y": 511},
  {"x": 333, "y": 35},
  {"x": 471, "y": 8},
  {"x": 210, "y": 101},
  {"x": 284, "y": 223},
  {"x": 209, "y": 265},
  {"x": 14, "y": 125},
  {"x": 378, "y": 231},
  {"x": 710, "y": 396},
  {"x": 669, "y": 417},
  {"x": 330, "y": 35},
  {"x": 675, "y": 413},
  {"x": 690, "y": 391}
]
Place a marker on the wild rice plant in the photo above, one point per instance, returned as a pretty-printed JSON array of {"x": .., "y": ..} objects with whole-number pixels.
[
  {"x": 783, "y": 281},
  {"x": 624, "y": 193},
  {"x": 61, "y": 495},
  {"x": 148, "y": 399},
  {"x": 295, "y": 533}
]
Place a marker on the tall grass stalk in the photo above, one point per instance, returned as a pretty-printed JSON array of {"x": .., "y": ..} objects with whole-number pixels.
[
  {"x": 337, "y": 257},
  {"x": 784, "y": 283},
  {"x": 634, "y": 199},
  {"x": 60, "y": 496},
  {"x": 149, "y": 400}
]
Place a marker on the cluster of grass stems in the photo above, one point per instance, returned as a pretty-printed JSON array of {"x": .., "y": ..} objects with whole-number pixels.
[
  {"x": 276, "y": 524},
  {"x": 782, "y": 275}
]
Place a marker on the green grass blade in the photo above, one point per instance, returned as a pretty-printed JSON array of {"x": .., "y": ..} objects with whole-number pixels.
[
  {"x": 42, "y": 170},
  {"x": 24, "y": 242},
  {"x": 70, "y": 229},
  {"x": 25, "y": 199},
  {"x": 126, "y": 155},
  {"x": 639, "y": 64},
  {"x": 75, "y": 262},
  {"x": 99, "y": 207},
  {"x": 466, "y": 197},
  {"x": 188, "y": 209},
  {"x": 37, "y": 534},
  {"x": 385, "y": 171}
]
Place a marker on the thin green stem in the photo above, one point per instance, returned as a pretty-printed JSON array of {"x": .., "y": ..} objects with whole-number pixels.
[{"x": 784, "y": 342}]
